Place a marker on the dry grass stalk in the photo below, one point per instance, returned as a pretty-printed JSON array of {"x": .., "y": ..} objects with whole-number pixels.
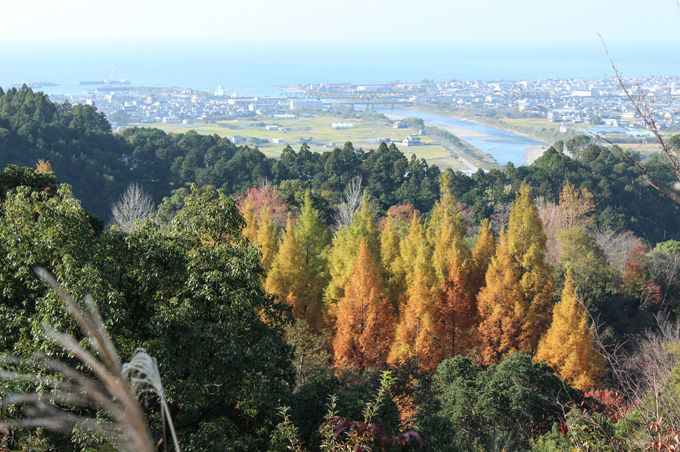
[{"x": 115, "y": 389}]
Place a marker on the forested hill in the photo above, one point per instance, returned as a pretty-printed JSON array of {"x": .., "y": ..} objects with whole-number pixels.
[{"x": 78, "y": 143}]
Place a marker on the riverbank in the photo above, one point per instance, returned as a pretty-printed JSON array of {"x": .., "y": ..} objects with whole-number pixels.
[
  {"x": 470, "y": 156},
  {"x": 502, "y": 145}
]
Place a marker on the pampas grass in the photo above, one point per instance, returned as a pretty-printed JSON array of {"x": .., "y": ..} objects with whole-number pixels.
[{"x": 115, "y": 390}]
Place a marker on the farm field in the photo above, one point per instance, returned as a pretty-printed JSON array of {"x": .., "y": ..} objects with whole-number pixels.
[{"x": 319, "y": 134}]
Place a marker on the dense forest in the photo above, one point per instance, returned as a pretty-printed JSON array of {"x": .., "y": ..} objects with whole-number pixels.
[{"x": 531, "y": 308}]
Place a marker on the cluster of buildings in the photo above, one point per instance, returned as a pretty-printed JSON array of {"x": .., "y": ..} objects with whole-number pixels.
[
  {"x": 123, "y": 105},
  {"x": 569, "y": 101}
]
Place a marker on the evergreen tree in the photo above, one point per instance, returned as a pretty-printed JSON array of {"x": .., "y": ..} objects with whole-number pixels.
[
  {"x": 569, "y": 346},
  {"x": 365, "y": 319}
]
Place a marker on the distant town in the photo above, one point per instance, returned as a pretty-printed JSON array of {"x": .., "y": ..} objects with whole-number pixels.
[{"x": 567, "y": 101}]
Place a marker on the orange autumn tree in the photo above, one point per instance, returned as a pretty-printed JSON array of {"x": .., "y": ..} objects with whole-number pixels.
[
  {"x": 365, "y": 322},
  {"x": 569, "y": 346},
  {"x": 502, "y": 308},
  {"x": 457, "y": 312}
]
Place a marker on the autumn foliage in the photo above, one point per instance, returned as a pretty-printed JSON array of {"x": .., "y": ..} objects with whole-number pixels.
[
  {"x": 416, "y": 290},
  {"x": 364, "y": 318}
]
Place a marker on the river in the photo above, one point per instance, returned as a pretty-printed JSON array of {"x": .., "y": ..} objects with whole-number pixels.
[{"x": 504, "y": 146}]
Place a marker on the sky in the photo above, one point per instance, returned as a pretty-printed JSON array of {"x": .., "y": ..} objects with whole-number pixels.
[{"x": 340, "y": 20}]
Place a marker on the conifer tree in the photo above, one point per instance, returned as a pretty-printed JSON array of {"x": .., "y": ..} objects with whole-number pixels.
[
  {"x": 576, "y": 207},
  {"x": 313, "y": 238},
  {"x": 445, "y": 208},
  {"x": 482, "y": 254},
  {"x": 457, "y": 312},
  {"x": 502, "y": 308},
  {"x": 449, "y": 241},
  {"x": 267, "y": 238},
  {"x": 403, "y": 265},
  {"x": 290, "y": 277},
  {"x": 365, "y": 319},
  {"x": 526, "y": 245},
  {"x": 569, "y": 346},
  {"x": 344, "y": 251},
  {"x": 250, "y": 227},
  {"x": 416, "y": 331},
  {"x": 390, "y": 240}
]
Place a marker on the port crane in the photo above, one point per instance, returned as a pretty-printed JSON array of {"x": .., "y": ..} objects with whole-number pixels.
[{"x": 109, "y": 79}]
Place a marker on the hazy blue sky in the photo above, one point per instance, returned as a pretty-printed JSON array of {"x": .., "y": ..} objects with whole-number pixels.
[{"x": 336, "y": 20}]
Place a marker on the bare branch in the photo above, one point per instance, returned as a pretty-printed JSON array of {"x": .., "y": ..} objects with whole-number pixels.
[
  {"x": 133, "y": 207},
  {"x": 642, "y": 107},
  {"x": 352, "y": 204}
]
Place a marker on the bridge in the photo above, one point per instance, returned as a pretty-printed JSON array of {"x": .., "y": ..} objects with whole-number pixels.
[{"x": 352, "y": 98}]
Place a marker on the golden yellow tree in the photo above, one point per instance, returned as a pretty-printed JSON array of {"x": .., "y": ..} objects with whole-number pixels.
[
  {"x": 290, "y": 278},
  {"x": 267, "y": 238},
  {"x": 43, "y": 166},
  {"x": 482, "y": 254},
  {"x": 390, "y": 239},
  {"x": 416, "y": 331},
  {"x": 526, "y": 246},
  {"x": 502, "y": 308},
  {"x": 449, "y": 241},
  {"x": 576, "y": 207},
  {"x": 569, "y": 346},
  {"x": 345, "y": 249},
  {"x": 365, "y": 317},
  {"x": 250, "y": 227}
]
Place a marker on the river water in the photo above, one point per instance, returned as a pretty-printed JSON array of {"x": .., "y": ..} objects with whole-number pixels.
[{"x": 504, "y": 146}]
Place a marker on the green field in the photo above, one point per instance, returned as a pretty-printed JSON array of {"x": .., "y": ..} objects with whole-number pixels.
[{"x": 319, "y": 134}]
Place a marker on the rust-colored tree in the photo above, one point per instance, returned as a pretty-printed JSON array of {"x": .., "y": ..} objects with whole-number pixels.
[
  {"x": 457, "y": 310},
  {"x": 365, "y": 318}
]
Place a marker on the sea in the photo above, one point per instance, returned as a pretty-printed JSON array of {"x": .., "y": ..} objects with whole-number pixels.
[
  {"x": 262, "y": 68},
  {"x": 267, "y": 68}
]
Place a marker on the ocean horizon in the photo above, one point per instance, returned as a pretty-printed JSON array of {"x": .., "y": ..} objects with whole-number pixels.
[{"x": 265, "y": 68}]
